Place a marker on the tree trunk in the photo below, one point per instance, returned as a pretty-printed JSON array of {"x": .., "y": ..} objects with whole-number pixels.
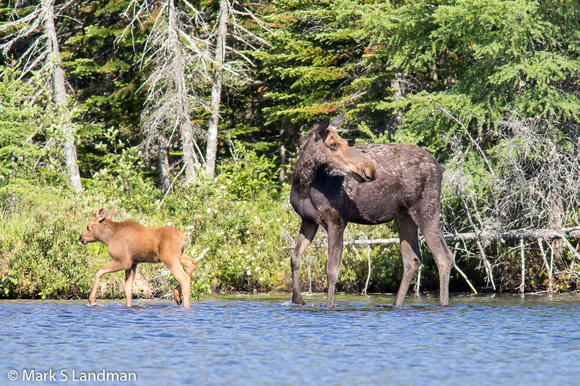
[
  {"x": 70, "y": 152},
  {"x": 216, "y": 90},
  {"x": 184, "y": 120},
  {"x": 556, "y": 221},
  {"x": 556, "y": 212},
  {"x": 282, "y": 174},
  {"x": 163, "y": 162},
  {"x": 394, "y": 120}
]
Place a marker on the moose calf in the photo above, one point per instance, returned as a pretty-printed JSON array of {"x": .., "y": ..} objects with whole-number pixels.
[{"x": 130, "y": 243}]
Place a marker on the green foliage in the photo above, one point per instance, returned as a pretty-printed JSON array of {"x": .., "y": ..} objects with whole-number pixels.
[
  {"x": 100, "y": 61},
  {"x": 313, "y": 65},
  {"x": 248, "y": 174},
  {"x": 120, "y": 177},
  {"x": 477, "y": 60},
  {"x": 40, "y": 253}
]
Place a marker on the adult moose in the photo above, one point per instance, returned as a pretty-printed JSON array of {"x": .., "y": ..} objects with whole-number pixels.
[{"x": 335, "y": 184}]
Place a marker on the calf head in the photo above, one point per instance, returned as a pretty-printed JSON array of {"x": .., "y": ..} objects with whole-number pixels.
[
  {"x": 96, "y": 227},
  {"x": 338, "y": 156}
]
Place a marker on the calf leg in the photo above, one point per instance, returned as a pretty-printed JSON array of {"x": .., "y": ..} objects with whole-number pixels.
[
  {"x": 183, "y": 280},
  {"x": 335, "y": 246},
  {"x": 113, "y": 266},
  {"x": 190, "y": 265},
  {"x": 129, "y": 278},
  {"x": 411, "y": 253},
  {"x": 307, "y": 233}
]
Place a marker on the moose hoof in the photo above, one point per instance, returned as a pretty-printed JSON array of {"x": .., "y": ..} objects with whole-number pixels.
[
  {"x": 177, "y": 297},
  {"x": 297, "y": 300}
]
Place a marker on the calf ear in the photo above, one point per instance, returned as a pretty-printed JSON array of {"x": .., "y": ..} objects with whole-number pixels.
[
  {"x": 109, "y": 214},
  {"x": 100, "y": 216}
]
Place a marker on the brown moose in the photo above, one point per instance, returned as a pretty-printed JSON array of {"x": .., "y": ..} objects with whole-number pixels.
[
  {"x": 130, "y": 243},
  {"x": 335, "y": 184}
]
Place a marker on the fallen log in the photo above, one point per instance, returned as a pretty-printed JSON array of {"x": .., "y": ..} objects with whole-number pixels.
[
  {"x": 488, "y": 235},
  {"x": 565, "y": 233}
]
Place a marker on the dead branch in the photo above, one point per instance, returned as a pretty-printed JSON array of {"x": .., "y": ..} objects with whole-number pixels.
[{"x": 487, "y": 235}]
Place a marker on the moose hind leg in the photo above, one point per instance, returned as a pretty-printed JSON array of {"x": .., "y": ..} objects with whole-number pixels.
[
  {"x": 307, "y": 233},
  {"x": 411, "y": 253},
  {"x": 428, "y": 221},
  {"x": 190, "y": 265},
  {"x": 129, "y": 278},
  {"x": 184, "y": 281},
  {"x": 443, "y": 258}
]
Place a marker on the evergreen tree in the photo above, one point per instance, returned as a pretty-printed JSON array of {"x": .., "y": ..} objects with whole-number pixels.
[
  {"x": 99, "y": 58},
  {"x": 478, "y": 60},
  {"x": 318, "y": 65}
]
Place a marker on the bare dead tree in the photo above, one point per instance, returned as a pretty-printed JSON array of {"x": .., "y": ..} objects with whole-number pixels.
[
  {"x": 230, "y": 66},
  {"x": 212, "y": 132},
  {"x": 462, "y": 187},
  {"x": 163, "y": 163},
  {"x": 540, "y": 183},
  {"x": 176, "y": 56},
  {"x": 188, "y": 57},
  {"x": 44, "y": 53},
  {"x": 543, "y": 167},
  {"x": 527, "y": 186}
]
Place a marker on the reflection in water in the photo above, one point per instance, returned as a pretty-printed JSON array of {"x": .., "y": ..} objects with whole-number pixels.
[{"x": 261, "y": 339}]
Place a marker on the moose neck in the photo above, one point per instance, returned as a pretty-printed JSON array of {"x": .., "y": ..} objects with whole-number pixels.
[
  {"x": 106, "y": 230},
  {"x": 307, "y": 165}
]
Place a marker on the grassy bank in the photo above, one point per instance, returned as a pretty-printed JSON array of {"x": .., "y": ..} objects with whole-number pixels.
[
  {"x": 249, "y": 242},
  {"x": 249, "y": 237}
]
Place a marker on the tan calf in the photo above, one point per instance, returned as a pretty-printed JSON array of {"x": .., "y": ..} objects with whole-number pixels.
[{"x": 130, "y": 243}]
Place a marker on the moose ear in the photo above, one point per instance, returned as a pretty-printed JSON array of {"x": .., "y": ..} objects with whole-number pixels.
[
  {"x": 337, "y": 121},
  {"x": 109, "y": 214},
  {"x": 100, "y": 216},
  {"x": 321, "y": 129}
]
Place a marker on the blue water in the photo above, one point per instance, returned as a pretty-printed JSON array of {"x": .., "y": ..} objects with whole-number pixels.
[{"x": 262, "y": 339}]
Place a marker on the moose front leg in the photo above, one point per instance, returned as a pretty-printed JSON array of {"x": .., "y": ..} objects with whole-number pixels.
[
  {"x": 113, "y": 266},
  {"x": 335, "y": 246},
  {"x": 307, "y": 233}
]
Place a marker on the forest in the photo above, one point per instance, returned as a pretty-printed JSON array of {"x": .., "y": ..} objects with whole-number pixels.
[{"x": 191, "y": 113}]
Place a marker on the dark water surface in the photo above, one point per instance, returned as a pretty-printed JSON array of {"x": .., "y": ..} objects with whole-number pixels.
[{"x": 262, "y": 339}]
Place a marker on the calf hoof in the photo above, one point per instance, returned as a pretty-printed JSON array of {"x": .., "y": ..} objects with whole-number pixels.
[{"x": 177, "y": 297}]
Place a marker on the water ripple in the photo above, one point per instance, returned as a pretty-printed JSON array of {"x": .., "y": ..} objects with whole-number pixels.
[{"x": 266, "y": 340}]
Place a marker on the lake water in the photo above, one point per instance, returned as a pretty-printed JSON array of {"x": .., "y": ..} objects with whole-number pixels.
[{"x": 262, "y": 339}]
